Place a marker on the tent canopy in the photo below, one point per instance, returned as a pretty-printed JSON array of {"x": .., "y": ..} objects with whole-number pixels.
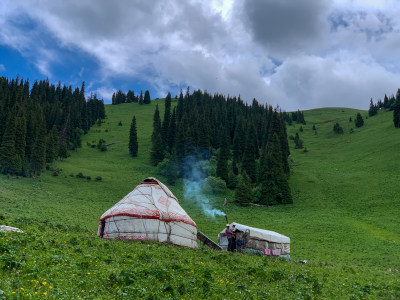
[
  {"x": 262, "y": 234},
  {"x": 149, "y": 212}
]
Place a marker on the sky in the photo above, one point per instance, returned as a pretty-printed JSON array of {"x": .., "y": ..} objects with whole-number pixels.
[{"x": 300, "y": 54}]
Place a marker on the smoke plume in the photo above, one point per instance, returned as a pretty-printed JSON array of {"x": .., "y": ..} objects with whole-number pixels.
[{"x": 195, "y": 173}]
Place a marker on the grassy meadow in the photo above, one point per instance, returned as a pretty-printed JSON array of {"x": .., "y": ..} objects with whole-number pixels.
[{"x": 344, "y": 221}]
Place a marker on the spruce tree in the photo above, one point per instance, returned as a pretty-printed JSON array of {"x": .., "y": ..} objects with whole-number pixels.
[
  {"x": 171, "y": 132},
  {"x": 373, "y": 109},
  {"x": 223, "y": 156},
  {"x": 157, "y": 150},
  {"x": 273, "y": 180},
  {"x": 133, "y": 142},
  {"x": 141, "y": 98},
  {"x": 38, "y": 156},
  {"x": 359, "y": 120},
  {"x": 167, "y": 119},
  {"x": 52, "y": 145},
  {"x": 243, "y": 191},
  {"x": 396, "y": 114},
  {"x": 249, "y": 157},
  {"x": 146, "y": 99},
  {"x": 9, "y": 160}
]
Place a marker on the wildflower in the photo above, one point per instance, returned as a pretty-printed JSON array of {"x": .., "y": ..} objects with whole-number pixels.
[
  {"x": 45, "y": 293},
  {"x": 50, "y": 287},
  {"x": 22, "y": 289},
  {"x": 44, "y": 282},
  {"x": 13, "y": 293},
  {"x": 35, "y": 293},
  {"x": 83, "y": 291}
]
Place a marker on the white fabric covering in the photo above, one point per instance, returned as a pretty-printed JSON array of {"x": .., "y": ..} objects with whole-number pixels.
[{"x": 149, "y": 212}]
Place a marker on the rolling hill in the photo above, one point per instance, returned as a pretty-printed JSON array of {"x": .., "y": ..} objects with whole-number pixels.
[{"x": 344, "y": 220}]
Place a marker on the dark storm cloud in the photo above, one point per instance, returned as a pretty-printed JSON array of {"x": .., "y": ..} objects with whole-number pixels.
[
  {"x": 286, "y": 26},
  {"x": 298, "y": 54}
]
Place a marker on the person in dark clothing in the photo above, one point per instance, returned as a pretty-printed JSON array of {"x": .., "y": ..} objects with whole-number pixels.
[
  {"x": 239, "y": 243},
  {"x": 229, "y": 235}
]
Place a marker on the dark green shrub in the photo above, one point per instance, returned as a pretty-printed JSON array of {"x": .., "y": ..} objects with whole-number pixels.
[
  {"x": 213, "y": 185},
  {"x": 98, "y": 178}
]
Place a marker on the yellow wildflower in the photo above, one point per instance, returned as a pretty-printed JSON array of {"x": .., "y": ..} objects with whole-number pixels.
[{"x": 44, "y": 282}]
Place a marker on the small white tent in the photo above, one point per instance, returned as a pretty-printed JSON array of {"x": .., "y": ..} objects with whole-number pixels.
[
  {"x": 258, "y": 240},
  {"x": 149, "y": 212}
]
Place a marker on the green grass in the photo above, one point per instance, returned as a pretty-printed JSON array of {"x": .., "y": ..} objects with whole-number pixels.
[{"x": 344, "y": 221}]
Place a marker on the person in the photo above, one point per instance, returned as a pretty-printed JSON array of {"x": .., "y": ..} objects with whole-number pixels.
[
  {"x": 239, "y": 243},
  {"x": 234, "y": 238},
  {"x": 229, "y": 235}
]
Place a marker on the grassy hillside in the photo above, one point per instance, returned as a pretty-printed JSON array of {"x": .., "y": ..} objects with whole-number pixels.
[{"x": 344, "y": 221}]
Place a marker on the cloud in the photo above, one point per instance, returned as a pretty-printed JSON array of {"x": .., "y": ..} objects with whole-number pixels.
[
  {"x": 285, "y": 27},
  {"x": 300, "y": 54},
  {"x": 2, "y": 68},
  {"x": 338, "y": 81}
]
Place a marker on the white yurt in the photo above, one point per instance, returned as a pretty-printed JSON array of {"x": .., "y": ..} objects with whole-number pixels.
[
  {"x": 260, "y": 241},
  {"x": 149, "y": 212}
]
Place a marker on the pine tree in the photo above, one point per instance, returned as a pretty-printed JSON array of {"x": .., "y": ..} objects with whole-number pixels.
[
  {"x": 9, "y": 160},
  {"x": 52, "y": 145},
  {"x": 179, "y": 108},
  {"x": 141, "y": 98},
  {"x": 359, "y": 120},
  {"x": 146, "y": 99},
  {"x": 273, "y": 180},
  {"x": 133, "y": 142},
  {"x": 223, "y": 156},
  {"x": 396, "y": 114},
  {"x": 249, "y": 157},
  {"x": 157, "y": 150},
  {"x": 167, "y": 119},
  {"x": 171, "y": 132},
  {"x": 243, "y": 192},
  {"x": 373, "y": 109},
  {"x": 38, "y": 157}
]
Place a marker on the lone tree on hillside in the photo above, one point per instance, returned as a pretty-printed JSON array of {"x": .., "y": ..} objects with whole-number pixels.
[
  {"x": 359, "y": 120},
  {"x": 337, "y": 128},
  {"x": 146, "y": 99},
  {"x": 133, "y": 143}
]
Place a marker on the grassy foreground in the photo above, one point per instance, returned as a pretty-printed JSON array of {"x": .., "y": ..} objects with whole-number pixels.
[{"x": 344, "y": 221}]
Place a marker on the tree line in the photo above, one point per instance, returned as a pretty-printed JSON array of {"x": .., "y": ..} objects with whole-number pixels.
[
  {"x": 391, "y": 103},
  {"x": 40, "y": 124},
  {"x": 120, "y": 97},
  {"x": 247, "y": 144}
]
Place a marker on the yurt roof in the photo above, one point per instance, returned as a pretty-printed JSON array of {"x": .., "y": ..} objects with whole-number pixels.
[
  {"x": 151, "y": 199},
  {"x": 262, "y": 234}
]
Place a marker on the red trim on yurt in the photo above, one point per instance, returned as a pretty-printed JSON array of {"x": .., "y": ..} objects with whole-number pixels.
[{"x": 169, "y": 218}]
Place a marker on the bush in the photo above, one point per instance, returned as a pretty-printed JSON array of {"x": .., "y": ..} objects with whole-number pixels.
[
  {"x": 80, "y": 175},
  {"x": 337, "y": 128},
  {"x": 88, "y": 177},
  {"x": 102, "y": 145},
  {"x": 213, "y": 185},
  {"x": 98, "y": 178}
]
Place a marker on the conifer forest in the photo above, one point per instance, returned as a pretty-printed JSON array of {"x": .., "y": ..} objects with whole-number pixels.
[{"x": 41, "y": 123}]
